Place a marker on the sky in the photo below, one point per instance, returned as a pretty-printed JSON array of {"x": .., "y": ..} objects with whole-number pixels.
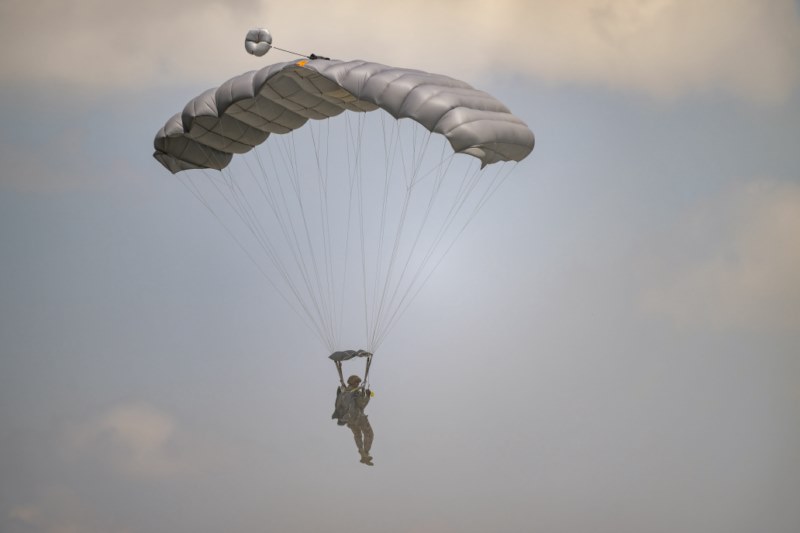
[{"x": 610, "y": 346}]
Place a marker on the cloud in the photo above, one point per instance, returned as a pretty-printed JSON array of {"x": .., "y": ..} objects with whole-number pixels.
[
  {"x": 29, "y": 513},
  {"x": 137, "y": 441},
  {"x": 58, "y": 510},
  {"x": 734, "y": 263},
  {"x": 107, "y": 45},
  {"x": 25, "y": 168},
  {"x": 432, "y": 526},
  {"x": 664, "y": 48},
  {"x": 64, "y": 156}
]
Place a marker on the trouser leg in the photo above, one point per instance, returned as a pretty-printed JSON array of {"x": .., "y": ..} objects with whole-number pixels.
[
  {"x": 357, "y": 437},
  {"x": 366, "y": 428}
]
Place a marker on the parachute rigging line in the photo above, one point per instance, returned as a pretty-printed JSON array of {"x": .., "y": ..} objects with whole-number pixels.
[
  {"x": 346, "y": 217},
  {"x": 389, "y": 282}
]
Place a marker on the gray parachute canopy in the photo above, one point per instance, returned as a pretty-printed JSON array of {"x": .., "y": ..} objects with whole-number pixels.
[{"x": 279, "y": 98}]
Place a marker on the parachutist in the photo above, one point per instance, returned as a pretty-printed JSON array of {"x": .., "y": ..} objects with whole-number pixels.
[
  {"x": 351, "y": 399},
  {"x": 243, "y": 112}
]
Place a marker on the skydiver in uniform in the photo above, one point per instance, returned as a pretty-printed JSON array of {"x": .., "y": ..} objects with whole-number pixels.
[{"x": 351, "y": 400}]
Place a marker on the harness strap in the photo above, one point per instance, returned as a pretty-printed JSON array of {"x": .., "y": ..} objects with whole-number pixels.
[
  {"x": 366, "y": 371},
  {"x": 339, "y": 369}
]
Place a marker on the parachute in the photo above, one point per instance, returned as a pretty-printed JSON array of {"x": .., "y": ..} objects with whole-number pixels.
[{"x": 345, "y": 216}]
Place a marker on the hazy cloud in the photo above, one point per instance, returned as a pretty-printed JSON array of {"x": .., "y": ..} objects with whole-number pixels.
[
  {"x": 734, "y": 262},
  {"x": 137, "y": 441},
  {"x": 105, "y": 45},
  {"x": 25, "y": 169},
  {"x": 664, "y": 48},
  {"x": 59, "y": 510},
  {"x": 432, "y": 526}
]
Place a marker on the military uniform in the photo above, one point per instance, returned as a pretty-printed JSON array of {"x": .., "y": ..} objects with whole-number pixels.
[{"x": 349, "y": 411}]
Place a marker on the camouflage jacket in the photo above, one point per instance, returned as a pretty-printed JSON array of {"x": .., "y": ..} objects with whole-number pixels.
[{"x": 349, "y": 405}]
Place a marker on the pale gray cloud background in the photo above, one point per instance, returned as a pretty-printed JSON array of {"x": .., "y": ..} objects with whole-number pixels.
[
  {"x": 611, "y": 346},
  {"x": 743, "y": 269},
  {"x": 138, "y": 441},
  {"x": 664, "y": 48},
  {"x": 59, "y": 511}
]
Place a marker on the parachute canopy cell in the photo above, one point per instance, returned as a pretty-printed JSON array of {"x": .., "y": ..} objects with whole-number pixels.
[{"x": 279, "y": 98}]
